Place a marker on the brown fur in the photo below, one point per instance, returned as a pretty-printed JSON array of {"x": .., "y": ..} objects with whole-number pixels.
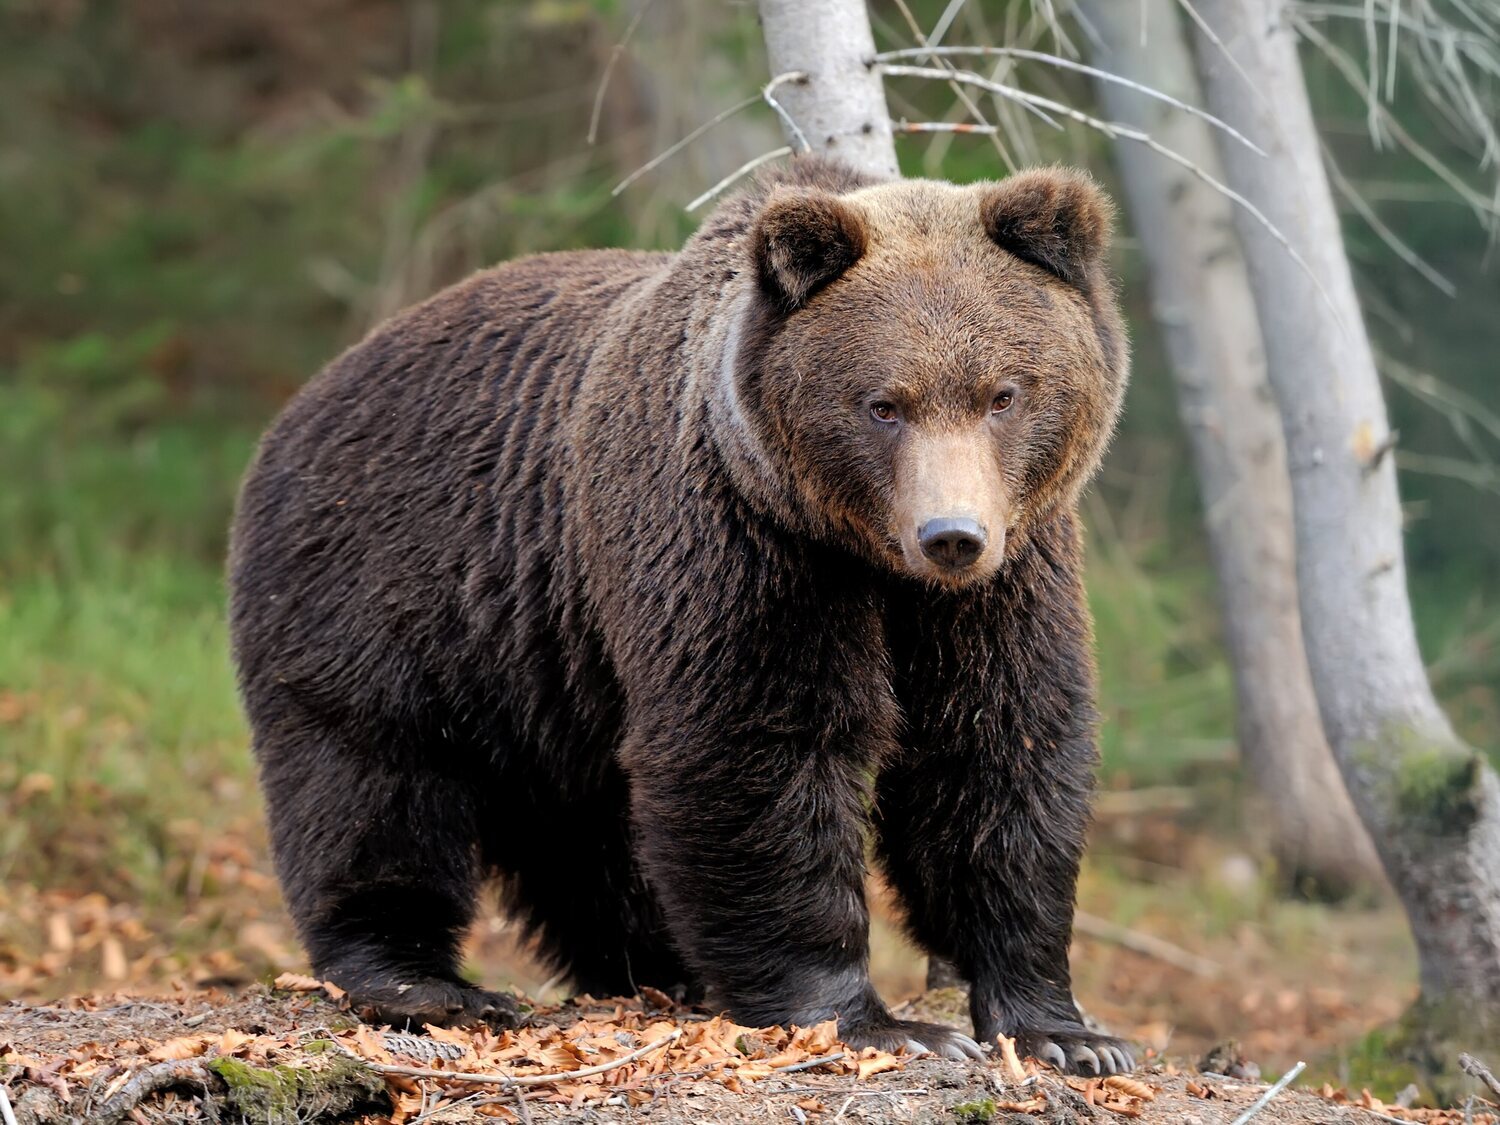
[{"x": 597, "y": 571}]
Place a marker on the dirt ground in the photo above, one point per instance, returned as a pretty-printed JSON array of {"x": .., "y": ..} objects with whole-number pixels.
[{"x": 292, "y": 1055}]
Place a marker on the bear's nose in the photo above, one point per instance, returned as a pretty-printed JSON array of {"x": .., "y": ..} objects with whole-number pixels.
[{"x": 952, "y": 542}]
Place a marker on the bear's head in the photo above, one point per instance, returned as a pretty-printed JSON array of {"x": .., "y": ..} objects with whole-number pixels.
[{"x": 935, "y": 369}]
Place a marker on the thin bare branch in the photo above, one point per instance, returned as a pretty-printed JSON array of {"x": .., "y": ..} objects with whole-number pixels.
[
  {"x": 718, "y": 119},
  {"x": 1352, "y": 197},
  {"x": 958, "y": 91},
  {"x": 1487, "y": 210},
  {"x": 945, "y": 21},
  {"x": 1473, "y": 1067},
  {"x": 1213, "y": 37},
  {"x": 1454, "y": 468},
  {"x": 1081, "y": 68},
  {"x": 672, "y": 150},
  {"x": 743, "y": 170},
  {"x": 609, "y": 68},
  {"x": 799, "y": 138}
]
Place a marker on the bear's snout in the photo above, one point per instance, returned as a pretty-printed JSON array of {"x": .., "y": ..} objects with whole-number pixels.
[{"x": 954, "y": 543}]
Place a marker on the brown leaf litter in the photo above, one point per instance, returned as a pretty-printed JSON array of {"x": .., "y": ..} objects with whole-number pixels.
[{"x": 192, "y": 1057}]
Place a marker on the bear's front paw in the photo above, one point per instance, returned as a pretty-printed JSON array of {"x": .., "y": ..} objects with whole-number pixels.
[
  {"x": 1076, "y": 1050},
  {"x": 442, "y": 1003},
  {"x": 914, "y": 1038}
]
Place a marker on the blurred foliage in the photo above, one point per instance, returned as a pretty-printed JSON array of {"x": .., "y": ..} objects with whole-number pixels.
[{"x": 202, "y": 201}]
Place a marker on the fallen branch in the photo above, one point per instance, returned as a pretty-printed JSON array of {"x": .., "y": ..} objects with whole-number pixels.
[
  {"x": 162, "y": 1076},
  {"x": 511, "y": 1080},
  {"x": 1472, "y": 1066},
  {"x": 1148, "y": 945},
  {"x": 1265, "y": 1099}
]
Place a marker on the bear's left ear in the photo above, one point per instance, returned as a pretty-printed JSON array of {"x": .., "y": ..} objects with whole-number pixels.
[
  {"x": 1053, "y": 218},
  {"x": 803, "y": 240}
]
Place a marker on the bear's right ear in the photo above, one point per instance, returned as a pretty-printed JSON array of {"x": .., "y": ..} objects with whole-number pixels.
[{"x": 803, "y": 240}]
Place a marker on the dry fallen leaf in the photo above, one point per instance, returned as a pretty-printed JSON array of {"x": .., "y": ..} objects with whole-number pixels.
[
  {"x": 1131, "y": 1086},
  {"x": 1011, "y": 1059},
  {"x": 873, "y": 1061},
  {"x": 185, "y": 1047},
  {"x": 297, "y": 982}
]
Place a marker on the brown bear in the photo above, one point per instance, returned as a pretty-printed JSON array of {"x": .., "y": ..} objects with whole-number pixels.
[{"x": 654, "y": 583}]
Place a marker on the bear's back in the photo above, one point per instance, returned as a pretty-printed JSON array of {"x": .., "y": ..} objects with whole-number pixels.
[{"x": 410, "y": 490}]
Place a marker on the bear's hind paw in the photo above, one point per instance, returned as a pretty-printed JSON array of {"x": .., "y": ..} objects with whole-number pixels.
[{"x": 442, "y": 1003}]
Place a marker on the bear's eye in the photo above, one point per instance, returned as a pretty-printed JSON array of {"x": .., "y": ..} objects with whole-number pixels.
[
  {"x": 1003, "y": 401},
  {"x": 885, "y": 412}
]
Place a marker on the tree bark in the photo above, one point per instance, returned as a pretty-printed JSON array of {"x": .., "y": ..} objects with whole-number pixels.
[
  {"x": 1431, "y": 803},
  {"x": 840, "y": 109},
  {"x": 1202, "y": 300}
]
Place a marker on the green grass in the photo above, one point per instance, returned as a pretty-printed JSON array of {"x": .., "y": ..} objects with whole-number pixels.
[
  {"x": 118, "y": 718},
  {"x": 126, "y": 723}
]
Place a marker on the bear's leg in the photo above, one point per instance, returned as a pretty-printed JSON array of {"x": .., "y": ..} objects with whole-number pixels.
[
  {"x": 756, "y": 852},
  {"x": 988, "y": 876},
  {"x": 571, "y": 877},
  {"x": 377, "y": 856},
  {"x": 981, "y": 818}
]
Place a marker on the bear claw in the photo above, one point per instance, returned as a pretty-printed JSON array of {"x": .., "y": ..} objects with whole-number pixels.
[
  {"x": 955, "y": 1046},
  {"x": 914, "y": 1038},
  {"x": 1083, "y": 1053}
]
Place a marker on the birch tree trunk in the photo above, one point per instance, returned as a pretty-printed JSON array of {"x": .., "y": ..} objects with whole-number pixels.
[
  {"x": 1202, "y": 299},
  {"x": 840, "y": 109},
  {"x": 1431, "y": 803}
]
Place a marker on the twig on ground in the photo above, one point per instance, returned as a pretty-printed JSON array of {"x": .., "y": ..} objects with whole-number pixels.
[
  {"x": 843, "y": 1109},
  {"x": 1265, "y": 1099},
  {"x": 522, "y": 1106},
  {"x": 161, "y": 1076},
  {"x": 510, "y": 1080},
  {"x": 743, "y": 170},
  {"x": 1147, "y": 945},
  {"x": 471, "y": 1100},
  {"x": 609, "y": 68},
  {"x": 1473, "y": 1067},
  {"x": 793, "y": 1068}
]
